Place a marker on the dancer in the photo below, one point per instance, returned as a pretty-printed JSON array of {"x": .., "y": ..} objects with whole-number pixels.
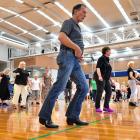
[
  {"x": 4, "y": 89},
  {"x": 138, "y": 85},
  {"x": 103, "y": 79},
  {"x": 93, "y": 89},
  {"x": 35, "y": 86},
  {"x": 118, "y": 92},
  {"x": 20, "y": 86},
  {"x": 68, "y": 60},
  {"x": 132, "y": 84},
  {"x": 46, "y": 84}
]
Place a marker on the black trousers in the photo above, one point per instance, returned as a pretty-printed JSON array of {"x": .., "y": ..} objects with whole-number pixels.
[
  {"x": 93, "y": 95},
  {"x": 68, "y": 93},
  {"x": 118, "y": 95},
  {"x": 101, "y": 86}
]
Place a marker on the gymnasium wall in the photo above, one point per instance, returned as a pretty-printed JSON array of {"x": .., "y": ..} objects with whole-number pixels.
[
  {"x": 45, "y": 61},
  {"x": 40, "y": 61},
  {"x": 116, "y": 65}
]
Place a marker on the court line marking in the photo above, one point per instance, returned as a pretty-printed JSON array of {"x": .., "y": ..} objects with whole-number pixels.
[{"x": 67, "y": 129}]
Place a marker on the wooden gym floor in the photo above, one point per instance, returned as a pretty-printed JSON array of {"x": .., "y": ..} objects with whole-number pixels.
[{"x": 124, "y": 124}]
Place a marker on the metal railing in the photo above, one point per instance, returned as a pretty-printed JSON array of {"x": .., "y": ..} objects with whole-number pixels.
[{"x": 119, "y": 34}]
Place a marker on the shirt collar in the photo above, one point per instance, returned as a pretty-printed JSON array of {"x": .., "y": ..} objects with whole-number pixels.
[
  {"x": 75, "y": 22},
  {"x": 107, "y": 58}
]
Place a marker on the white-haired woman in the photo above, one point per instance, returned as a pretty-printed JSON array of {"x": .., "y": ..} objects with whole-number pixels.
[
  {"x": 4, "y": 87},
  {"x": 138, "y": 85},
  {"x": 20, "y": 86},
  {"x": 132, "y": 81}
]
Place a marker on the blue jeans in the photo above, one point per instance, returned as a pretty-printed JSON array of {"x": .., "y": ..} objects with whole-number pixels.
[{"x": 68, "y": 67}]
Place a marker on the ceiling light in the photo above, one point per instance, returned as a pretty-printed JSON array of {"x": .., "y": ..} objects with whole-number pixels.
[
  {"x": 43, "y": 29},
  {"x": 2, "y": 33},
  {"x": 120, "y": 8},
  {"x": 15, "y": 41},
  {"x": 15, "y": 26},
  {"x": 24, "y": 18},
  {"x": 1, "y": 20},
  {"x": 63, "y": 8},
  {"x": 121, "y": 29},
  {"x": 9, "y": 11},
  {"x": 96, "y": 13},
  {"x": 38, "y": 44},
  {"x": 37, "y": 26},
  {"x": 128, "y": 49},
  {"x": 36, "y": 36},
  {"x": 17, "y": 15},
  {"x": 24, "y": 31},
  {"x": 11, "y": 41},
  {"x": 49, "y": 18},
  {"x": 20, "y": 1}
]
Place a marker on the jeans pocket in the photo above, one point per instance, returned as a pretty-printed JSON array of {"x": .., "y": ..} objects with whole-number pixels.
[
  {"x": 60, "y": 59},
  {"x": 65, "y": 58}
]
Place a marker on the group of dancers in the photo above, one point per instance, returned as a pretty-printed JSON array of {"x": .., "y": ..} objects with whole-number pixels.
[
  {"x": 68, "y": 60},
  {"x": 24, "y": 88}
]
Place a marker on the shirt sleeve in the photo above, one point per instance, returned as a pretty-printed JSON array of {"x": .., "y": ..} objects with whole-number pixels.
[
  {"x": 27, "y": 73},
  {"x": 66, "y": 27},
  {"x": 16, "y": 71},
  {"x": 130, "y": 70},
  {"x": 99, "y": 63}
]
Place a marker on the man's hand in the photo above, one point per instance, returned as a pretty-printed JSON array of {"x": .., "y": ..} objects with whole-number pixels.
[
  {"x": 65, "y": 40},
  {"x": 81, "y": 59},
  {"x": 78, "y": 53}
]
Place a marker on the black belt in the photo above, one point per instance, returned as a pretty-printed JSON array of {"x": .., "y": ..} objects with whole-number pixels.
[{"x": 66, "y": 49}]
